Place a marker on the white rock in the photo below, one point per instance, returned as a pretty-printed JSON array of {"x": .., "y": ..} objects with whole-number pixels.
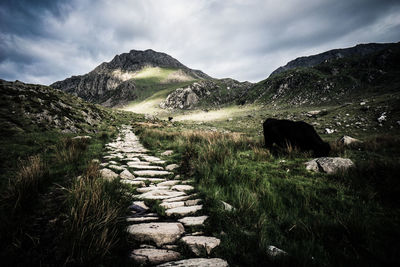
[
  {"x": 193, "y": 220},
  {"x": 126, "y": 175},
  {"x": 274, "y": 252},
  {"x": 171, "y": 205},
  {"x": 145, "y": 167},
  {"x": 153, "y": 256},
  {"x": 193, "y": 202},
  {"x": 329, "y": 165},
  {"x": 382, "y": 118},
  {"x": 151, "y": 188},
  {"x": 85, "y": 137},
  {"x": 182, "y": 211},
  {"x": 160, "y": 194},
  {"x": 129, "y": 163},
  {"x": 160, "y": 233},
  {"x": 227, "y": 207},
  {"x": 182, "y": 187},
  {"x": 169, "y": 183},
  {"x": 108, "y": 174},
  {"x": 142, "y": 219},
  {"x": 131, "y": 182},
  {"x": 347, "y": 140},
  {"x": 151, "y": 173},
  {"x": 116, "y": 168},
  {"x": 181, "y": 198},
  {"x": 198, "y": 244},
  {"x": 329, "y": 131},
  {"x": 152, "y": 180},
  {"x": 171, "y": 167},
  {"x": 167, "y": 153},
  {"x": 197, "y": 262}
]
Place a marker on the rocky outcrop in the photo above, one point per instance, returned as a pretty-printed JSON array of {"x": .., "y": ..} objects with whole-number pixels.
[
  {"x": 111, "y": 83},
  {"x": 209, "y": 93}
]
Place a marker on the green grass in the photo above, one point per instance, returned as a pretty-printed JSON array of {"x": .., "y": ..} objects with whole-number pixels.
[{"x": 318, "y": 219}]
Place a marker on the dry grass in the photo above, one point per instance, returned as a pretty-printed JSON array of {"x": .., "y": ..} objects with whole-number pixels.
[
  {"x": 69, "y": 150},
  {"x": 93, "y": 218},
  {"x": 26, "y": 182}
]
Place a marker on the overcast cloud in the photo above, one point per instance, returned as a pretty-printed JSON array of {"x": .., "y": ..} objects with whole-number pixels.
[{"x": 42, "y": 41}]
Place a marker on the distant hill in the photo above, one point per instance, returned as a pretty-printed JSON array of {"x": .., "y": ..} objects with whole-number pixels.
[
  {"x": 310, "y": 61},
  {"x": 119, "y": 81},
  {"x": 333, "y": 81}
]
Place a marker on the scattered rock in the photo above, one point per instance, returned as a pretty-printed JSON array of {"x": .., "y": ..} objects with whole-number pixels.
[
  {"x": 199, "y": 244},
  {"x": 108, "y": 174},
  {"x": 274, "y": 252},
  {"x": 167, "y": 153},
  {"x": 329, "y": 165},
  {"x": 227, "y": 207},
  {"x": 171, "y": 167},
  {"x": 160, "y": 233},
  {"x": 153, "y": 255},
  {"x": 329, "y": 131},
  {"x": 196, "y": 262},
  {"x": 347, "y": 140},
  {"x": 382, "y": 118},
  {"x": 126, "y": 175}
]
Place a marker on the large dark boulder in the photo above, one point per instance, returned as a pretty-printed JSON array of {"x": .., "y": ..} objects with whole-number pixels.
[{"x": 295, "y": 133}]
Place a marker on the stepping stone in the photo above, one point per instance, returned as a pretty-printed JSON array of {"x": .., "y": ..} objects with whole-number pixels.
[
  {"x": 153, "y": 159},
  {"x": 129, "y": 163},
  {"x": 171, "y": 205},
  {"x": 194, "y": 220},
  {"x": 113, "y": 162},
  {"x": 167, "y": 153},
  {"x": 141, "y": 205},
  {"x": 181, "y": 198},
  {"x": 116, "y": 168},
  {"x": 193, "y": 202},
  {"x": 142, "y": 219},
  {"x": 153, "y": 255},
  {"x": 108, "y": 174},
  {"x": 126, "y": 175},
  {"x": 169, "y": 183},
  {"x": 196, "y": 262},
  {"x": 131, "y": 182},
  {"x": 131, "y": 159},
  {"x": 170, "y": 247},
  {"x": 171, "y": 167},
  {"x": 182, "y": 211},
  {"x": 145, "y": 167},
  {"x": 151, "y": 188},
  {"x": 188, "y": 182},
  {"x": 199, "y": 244},
  {"x": 151, "y": 173},
  {"x": 160, "y": 233},
  {"x": 160, "y": 194},
  {"x": 182, "y": 187},
  {"x": 152, "y": 180}
]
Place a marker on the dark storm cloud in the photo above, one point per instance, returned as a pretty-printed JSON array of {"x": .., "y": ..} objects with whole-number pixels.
[{"x": 44, "y": 41}]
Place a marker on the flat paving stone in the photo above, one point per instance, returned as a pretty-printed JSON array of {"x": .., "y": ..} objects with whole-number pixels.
[
  {"x": 182, "y": 187},
  {"x": 116, "y": 168},
  {"x": 129, "y": 163},
  {"x": 171, "y": 167},
  {"x": 160, "y": 194},
  {"x": 169, "y": 183},
  {"x": 197, "y": 262},
  {"x": 181, "y": 198},
  {"x": 142, "y": 219},
  {"x": 150, "y": 179},
  {"x": 193, "y": 220},
  {"x": 151, "y": 188},
  {"x": 145, "y": 167},
  {"x": 182, "y": 211},
  {"x": 159, "y": 232},
  {"x": 153, "y": 159},
  {"x": 199, "y": 244},
  {"x": 193, "y": 202},
  {"x": 171, "y": 205},
  {"x": 153, "y": 255},
  {"x": 151, "y": 173}
]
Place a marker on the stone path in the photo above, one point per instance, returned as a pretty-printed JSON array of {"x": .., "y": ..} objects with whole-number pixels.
[{"x": 159, "y": 237}]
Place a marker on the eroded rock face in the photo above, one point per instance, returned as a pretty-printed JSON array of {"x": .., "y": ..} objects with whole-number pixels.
[
  {"x": 329, "y": 165},
  {"x": 159, "y": 233}
]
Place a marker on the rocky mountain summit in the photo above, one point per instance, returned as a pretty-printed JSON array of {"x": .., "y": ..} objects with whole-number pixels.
[
  {"x": 310, "y": 61},
  {"x": 31, "y": 107},
  {"x": 113, "y": 83}
]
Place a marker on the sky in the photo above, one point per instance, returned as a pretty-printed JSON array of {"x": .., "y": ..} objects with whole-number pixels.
[{"x": 43, "y": 41}]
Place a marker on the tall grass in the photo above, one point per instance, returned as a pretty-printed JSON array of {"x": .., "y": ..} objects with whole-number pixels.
[
  {"x": 317, "y": 219},
  {"x": 95, "y": 211},
  {"x": 70, "y": 150}
]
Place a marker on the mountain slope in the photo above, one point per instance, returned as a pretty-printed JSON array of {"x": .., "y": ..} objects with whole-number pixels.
[
  {"x": 35, "y": 108},
  {"x": 310, "y": 61},
  {"x": 119, "y": 81},
  {"x": 333, "y": 81}
]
